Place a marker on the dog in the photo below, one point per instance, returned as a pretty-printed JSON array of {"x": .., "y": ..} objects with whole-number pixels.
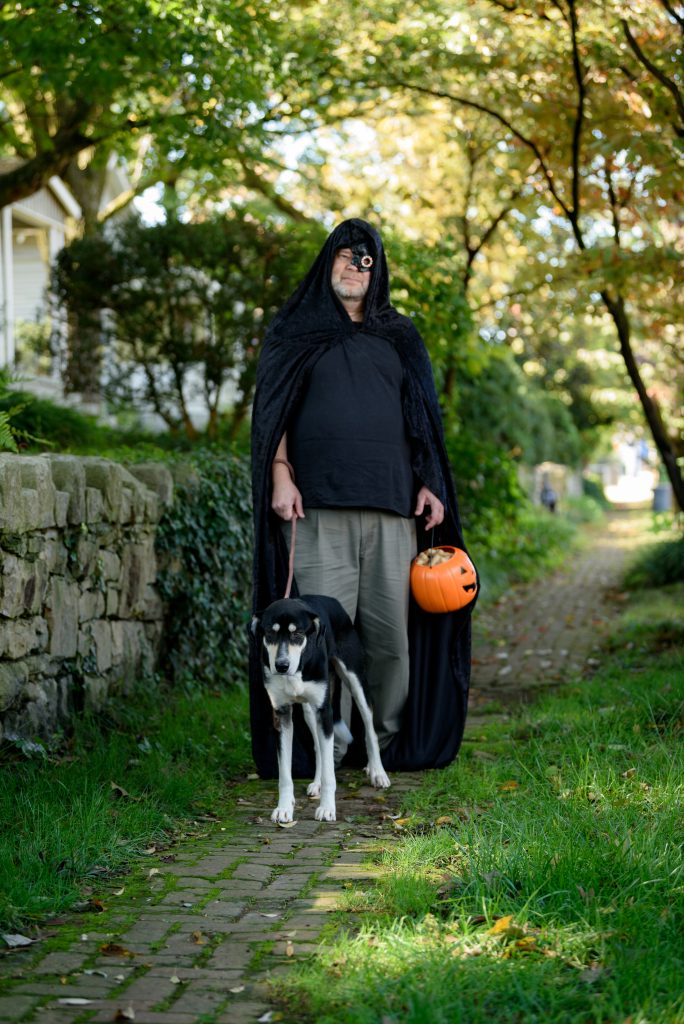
[{"x": 309, "y": 646}]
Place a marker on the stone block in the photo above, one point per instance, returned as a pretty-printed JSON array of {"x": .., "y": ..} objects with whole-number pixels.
[
  {"x": 42, "y": 665},
  {"x": 13, "y": 679},
  {"x": 110, "y": 565},
  {"x": 95, "y": 690},
  {"x": 11, "y": 498},
  {"x": 91, "y": 605},
  {"x": 19, "y": 637},
  {"x": 36, "y": 479},
  {"x": 138, "y": 568},
  {"x": 85, "y": 554},
  {"x": 68, "y": 476},
  {"x": 101, "y": 633},
  {"x": 41, "y": 710},
  {"x": 157, "y": 478},
  {"x": 95, "y": 506},
  {"x": 126, "y": 514},
  {"x": 55, "y": 553},
  {"x": 153, "y": 507},
  {"x": 61, "y": 612},
  {"x": 23, "y": 586},
  {"x": 134, "y": 503},
  {"x": 112, "y": 602},
  {"x": 154, "y": 606},
  {"x": 110, "y": 479},
  {"x": 62, "y": 500}
]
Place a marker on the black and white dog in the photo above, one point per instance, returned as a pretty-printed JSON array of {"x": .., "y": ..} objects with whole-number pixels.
[{"x": 307, "y": 645}]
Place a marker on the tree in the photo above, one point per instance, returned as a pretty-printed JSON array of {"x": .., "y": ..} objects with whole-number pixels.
[
  {"x": 186, "y": 306},
  {"x": 572, "y": 86},
  {"x": 84, "y": 77}
]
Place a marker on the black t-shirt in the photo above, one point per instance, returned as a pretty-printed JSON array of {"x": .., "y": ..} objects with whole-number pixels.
[{"x": 347, "y": 441}]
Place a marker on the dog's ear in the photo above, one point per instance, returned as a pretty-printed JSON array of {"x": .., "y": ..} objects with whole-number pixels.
[
  {"x": 254, "y": 624},
  {"x": 316, "y": 623}
]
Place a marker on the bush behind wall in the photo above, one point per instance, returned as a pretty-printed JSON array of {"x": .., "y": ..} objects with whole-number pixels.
[{"x": 205, "y": 547}]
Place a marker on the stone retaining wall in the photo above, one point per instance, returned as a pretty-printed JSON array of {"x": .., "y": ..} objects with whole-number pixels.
[{"x": 79, "y": 613}]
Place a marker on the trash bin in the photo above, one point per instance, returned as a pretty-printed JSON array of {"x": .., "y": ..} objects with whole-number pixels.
[{"x": 662, "y": 498}]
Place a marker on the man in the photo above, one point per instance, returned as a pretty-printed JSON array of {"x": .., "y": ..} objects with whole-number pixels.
[{"x": 347, "y": 438}]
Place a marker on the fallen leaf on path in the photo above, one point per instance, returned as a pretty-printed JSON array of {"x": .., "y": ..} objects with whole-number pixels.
[
  {"x": 152, "y": 872},
  {"x": 501, "y": 925},
  {"x": 238, "y": 988},
  {"x": 174, "y": 979},
  {"x": 286, "y": 824},
  {"x": 114, "y": 949},
  {"x": 444, "y": 820},
  {"x": 528, "y": 944},
  {"x": 289, "y": 949},
  {"x": 120, "y": 793},
  {"x": 506, "y": 928},
  {"x": 508, "y": 786},
  {"x": 198, "y": 938},
  {"x": 75, "y": 1001},
  {"x": 127, "y": 1014}
]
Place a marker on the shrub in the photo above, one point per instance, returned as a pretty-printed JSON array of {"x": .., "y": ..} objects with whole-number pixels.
[
  {"x": 40, "y": 422},
  {"x": 205, "y": 542},
  {"x": 658, "y": 565}
]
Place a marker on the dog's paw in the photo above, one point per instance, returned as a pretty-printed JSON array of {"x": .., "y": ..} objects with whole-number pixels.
[
  {"x": 313, "y": 790},
  {"x": 378, "y": 777},
  {"x": 326, "y": 812},
  {"x": 283, "y": 814}
]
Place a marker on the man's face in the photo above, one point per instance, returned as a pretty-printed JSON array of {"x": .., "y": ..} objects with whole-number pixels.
[{"x": 348, "y": 282}]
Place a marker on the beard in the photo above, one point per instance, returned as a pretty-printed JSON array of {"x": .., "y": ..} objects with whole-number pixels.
[{"x": 348, "y": 291}]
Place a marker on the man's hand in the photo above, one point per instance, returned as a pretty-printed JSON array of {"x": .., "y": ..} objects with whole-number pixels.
[
  {"x": 287, "y": 500},
  {"x": 436, "y": 514}
]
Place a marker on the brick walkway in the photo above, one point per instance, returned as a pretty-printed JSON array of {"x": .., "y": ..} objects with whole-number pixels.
[
  {"x": 544, "y": 632},
  {"x": 221, "y": 915},
  {"x": 217, "y": 919}
]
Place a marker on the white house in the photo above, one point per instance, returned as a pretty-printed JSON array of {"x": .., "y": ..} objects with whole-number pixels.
[{"x": 32, "y": 231}]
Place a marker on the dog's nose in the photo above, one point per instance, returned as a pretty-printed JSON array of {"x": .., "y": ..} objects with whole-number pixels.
[{"x": 282, "y": 665}]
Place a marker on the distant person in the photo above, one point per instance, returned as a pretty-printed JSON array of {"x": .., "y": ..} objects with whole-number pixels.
[{"x": 549, "y": 498}]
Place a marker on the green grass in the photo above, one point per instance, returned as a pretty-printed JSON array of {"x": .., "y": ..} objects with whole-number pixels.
[
  {"x": 66, "y": 828},
  {"x": 540, "y": 877}
]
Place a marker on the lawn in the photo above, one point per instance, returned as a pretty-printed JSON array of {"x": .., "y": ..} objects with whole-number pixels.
[
  {"x": 153, "y": 769},
  {"x": 539, "y": 877}
]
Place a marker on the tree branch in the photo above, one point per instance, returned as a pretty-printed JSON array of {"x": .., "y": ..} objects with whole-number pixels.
[
  {"x": 657, "y": 74},
  {"x": 474, "y": 105},
  {"x": 669, "y": 7},
  {"x": 579, "y": 123},
  {"x": 255, "y": 181}
]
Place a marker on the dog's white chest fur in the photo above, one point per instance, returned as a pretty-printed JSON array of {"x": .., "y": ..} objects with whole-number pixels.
[{"x": 292, "y": 689}]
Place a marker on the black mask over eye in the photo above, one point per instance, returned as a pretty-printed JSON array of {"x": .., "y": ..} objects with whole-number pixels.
[{"x": 361, "y": 258}]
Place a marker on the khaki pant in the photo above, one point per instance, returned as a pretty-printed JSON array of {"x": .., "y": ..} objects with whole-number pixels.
[{"x": 362, "y": 557}]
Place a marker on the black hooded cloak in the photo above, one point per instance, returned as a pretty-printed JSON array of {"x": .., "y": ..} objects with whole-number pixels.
[{"x": 312, "y": 321}]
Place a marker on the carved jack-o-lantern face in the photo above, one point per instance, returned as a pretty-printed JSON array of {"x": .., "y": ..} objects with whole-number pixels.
[{"x": 443, "y": 579}]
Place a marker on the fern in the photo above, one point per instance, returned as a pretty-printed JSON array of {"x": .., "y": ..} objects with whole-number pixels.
[{"x": 7, "y": 442}]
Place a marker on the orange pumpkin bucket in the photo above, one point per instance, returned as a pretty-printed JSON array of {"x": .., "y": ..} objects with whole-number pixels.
[{"x": 443, "y": 579}]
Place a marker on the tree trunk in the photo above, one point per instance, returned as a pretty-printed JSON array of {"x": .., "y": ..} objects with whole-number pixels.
[
  {"x": 84, "y": 358},
  {"x": 616, "y": 308},
  {"x": 84, "y": 361}
]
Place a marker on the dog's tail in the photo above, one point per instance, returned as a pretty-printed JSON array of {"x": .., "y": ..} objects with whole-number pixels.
[{"x": 341, "y": 730}]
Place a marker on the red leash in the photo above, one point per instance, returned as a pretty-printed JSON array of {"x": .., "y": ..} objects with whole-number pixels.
[{"x": 290, "y": 573}]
